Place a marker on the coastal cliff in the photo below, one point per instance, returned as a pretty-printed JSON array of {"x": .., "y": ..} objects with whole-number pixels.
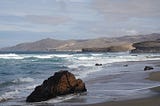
[
  {"x": 121, "y": 48},
  {"x": 147, "y": 47}
]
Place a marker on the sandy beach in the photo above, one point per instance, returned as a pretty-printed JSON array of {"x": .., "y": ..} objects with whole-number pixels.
[{"x": 148, "y": 101}]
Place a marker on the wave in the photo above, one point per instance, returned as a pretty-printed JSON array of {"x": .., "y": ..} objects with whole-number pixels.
[
  {"x": 60, "y": 99},
  {"x": 63, "y": 55},
  {"x": 84, "y": 73},
  {"x": 31, "y": 87},
  {"x": 97, "y": 54},
  {"x": 43, "y": 56},
  {"x": 51, "y": 56},
  {"x": 8, "y": 95},
  {"x": 26, "y": 79},
  {"x": 16, "y": 81},
  {"x": 27, "y": 56},
  {"x": 80, "y": 65},
  {"x": 6, "y": 83},
  {"x": 86, "y": 64},
  {"x": 10, "y": 56}
]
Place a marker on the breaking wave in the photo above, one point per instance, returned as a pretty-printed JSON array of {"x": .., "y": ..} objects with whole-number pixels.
[
  {"x": 10, "y": 56},
  {"x": 43, "y": 56},
  {"x": 8, "y": 95},
  {"x": 26, "y": 79}
]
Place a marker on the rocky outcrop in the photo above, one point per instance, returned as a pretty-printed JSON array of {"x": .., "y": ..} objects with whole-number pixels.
[
  {"x": 148, "y": 68},
  {"x": 98, "y": 64},
  {"x": 62, "y": 83},
  {"x": 147, "y": 47}
]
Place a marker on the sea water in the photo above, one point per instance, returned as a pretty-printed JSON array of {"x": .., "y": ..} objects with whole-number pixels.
[{"x": 20, "y": 73}]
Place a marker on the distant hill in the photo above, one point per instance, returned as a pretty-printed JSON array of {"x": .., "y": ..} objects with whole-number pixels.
[{"x": 77, "y": 45}]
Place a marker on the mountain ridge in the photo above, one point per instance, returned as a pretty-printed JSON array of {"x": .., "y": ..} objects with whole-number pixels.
[{"x": 50, "y": 44}]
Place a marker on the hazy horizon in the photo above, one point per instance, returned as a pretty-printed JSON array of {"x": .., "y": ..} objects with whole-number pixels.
[{"x": 25, "y": 21}]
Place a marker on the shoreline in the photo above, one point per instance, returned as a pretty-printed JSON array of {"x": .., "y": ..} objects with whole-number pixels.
[
  {"x": 148, "y": 101},
  {"x": 111, "y": 73}
]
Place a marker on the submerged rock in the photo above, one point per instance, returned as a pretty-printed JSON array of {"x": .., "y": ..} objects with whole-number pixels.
[
  {"x": 148, "y": 68},
  {"x": 62, "y": 83},
  {"x": 126, "y": 65}
]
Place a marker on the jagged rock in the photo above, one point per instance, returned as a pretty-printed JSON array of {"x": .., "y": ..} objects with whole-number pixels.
[
  {"x": 97, "y": 64},
  {"x": 62, "y": 83},
  {"x": 148, "y": 68}
]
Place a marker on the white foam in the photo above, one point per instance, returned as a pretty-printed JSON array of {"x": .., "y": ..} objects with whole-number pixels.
[
  {"x": 25, "y": 79},
  {"x": 25, "y": 56},
  {"x": 85, "y": 63},
  {"x": 85, "y": 58},
  {"x": 83, "y": 73},
  {"x": 79, "y": 65},
  {"x": 10, "y": 56},
  {"x": 8, "y": 95},
  {"x": 31, "y": 87},
  {"x": 60, "y": 99},
  {"x": 44, "y": 56},
  {"x": 63, "y": 55},
  {"x": 96, "y": 54},
  {"x": 48, "y": 56}
]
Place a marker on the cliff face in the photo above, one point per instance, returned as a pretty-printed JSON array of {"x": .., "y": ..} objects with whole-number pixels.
[
  {"x": 99, "y": 44},
  {"x": 147, "y": 47}
]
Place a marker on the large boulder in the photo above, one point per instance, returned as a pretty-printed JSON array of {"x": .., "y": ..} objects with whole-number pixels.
[{"x": 61, "y": 83}]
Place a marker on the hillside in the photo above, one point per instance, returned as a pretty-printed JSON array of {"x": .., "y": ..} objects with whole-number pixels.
[{"x": 77, "y": 45}]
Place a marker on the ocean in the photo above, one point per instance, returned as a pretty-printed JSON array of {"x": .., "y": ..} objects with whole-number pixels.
[{"x": 20, "y": 73}]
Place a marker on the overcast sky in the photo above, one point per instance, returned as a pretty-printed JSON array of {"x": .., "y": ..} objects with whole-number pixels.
[{"x": 30, "y": 20}]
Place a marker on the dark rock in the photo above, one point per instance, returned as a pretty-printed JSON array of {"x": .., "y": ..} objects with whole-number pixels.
[
  {"x": 126, "y": 65},
  {"x": 97, "y": 64},
  {"x": 148, "y": 68},
  {"x": 62, "y": 83},
  {"x": 147, "y": 47}
]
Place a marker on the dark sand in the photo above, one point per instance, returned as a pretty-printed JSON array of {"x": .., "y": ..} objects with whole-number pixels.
[
  {"x": 150, "y": 101},
  {"x": 154, "y": 76}
]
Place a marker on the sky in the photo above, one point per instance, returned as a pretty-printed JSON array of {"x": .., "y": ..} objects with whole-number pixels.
[{"x": 31, "y": 20}]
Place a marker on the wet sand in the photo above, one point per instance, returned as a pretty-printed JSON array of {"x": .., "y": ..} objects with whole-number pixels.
[
  {"x": 150, "y": 101},
  {"x": 154, "y": 76}
]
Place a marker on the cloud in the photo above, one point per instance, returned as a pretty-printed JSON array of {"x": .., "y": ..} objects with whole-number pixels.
[
  {"x": 137, "y": 8},
  {"x": 53, "y": 20},
  {"x": 73, "y": 19},
  {"x": 79, "y": 1},
  {"x": 29, "y": 28},
  {"x": 121, "y": 17}
]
